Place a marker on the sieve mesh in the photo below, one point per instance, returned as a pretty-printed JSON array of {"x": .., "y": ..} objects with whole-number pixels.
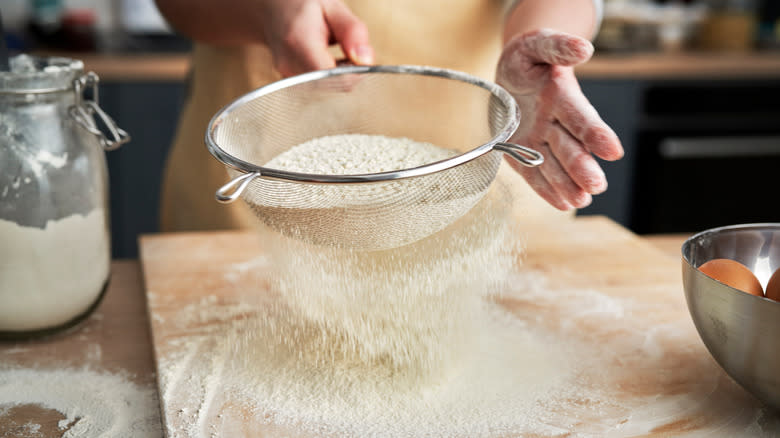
[{"x": 371, "y": 211}]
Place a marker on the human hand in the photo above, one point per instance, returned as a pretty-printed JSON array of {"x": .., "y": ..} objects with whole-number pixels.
[
  {"x": 298, "y": 33},
  {"x": 537, "y": 68}
]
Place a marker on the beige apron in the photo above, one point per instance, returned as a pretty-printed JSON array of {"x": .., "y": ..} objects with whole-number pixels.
[{"x": 458, "y": 34}]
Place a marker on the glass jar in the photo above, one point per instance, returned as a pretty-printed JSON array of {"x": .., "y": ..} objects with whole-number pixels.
[{"x": 55, "y": 250}]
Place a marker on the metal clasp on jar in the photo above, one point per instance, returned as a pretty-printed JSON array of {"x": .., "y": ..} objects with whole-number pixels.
[{"x": 84, "y": 112}]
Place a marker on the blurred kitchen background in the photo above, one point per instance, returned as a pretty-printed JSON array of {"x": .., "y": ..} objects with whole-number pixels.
[{"x": 691, "y": 87}]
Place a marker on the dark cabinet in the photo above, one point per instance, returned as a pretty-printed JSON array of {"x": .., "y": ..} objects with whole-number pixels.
[
  {"x": 618, "y": 102},
  {"x": 708, "y": 154},
  {"x": 699, "y": 153},
  {"x": 149, "y": 111}
]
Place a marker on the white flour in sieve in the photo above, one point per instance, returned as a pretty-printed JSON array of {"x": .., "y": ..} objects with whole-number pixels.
[
  {"x": 50, "y": 275},
  {"x": 364, "y": 216},
  {"x": 352, "y": 154},
  {"x": 346, "y": 154},
  {"x": 94, "y": 404}
]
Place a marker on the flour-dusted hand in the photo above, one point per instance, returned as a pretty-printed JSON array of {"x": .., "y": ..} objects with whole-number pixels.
[
  {"x": 298, "y": 32},
  {"x": 537, "y": 68}
]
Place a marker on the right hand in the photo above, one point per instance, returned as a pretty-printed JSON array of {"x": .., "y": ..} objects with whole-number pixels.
[
  {"x": 298, "y": 33},
  {"x": 537, "y": 68}
]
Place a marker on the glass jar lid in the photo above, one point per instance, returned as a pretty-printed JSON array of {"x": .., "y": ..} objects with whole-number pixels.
[{"x": 33, "y": 74}]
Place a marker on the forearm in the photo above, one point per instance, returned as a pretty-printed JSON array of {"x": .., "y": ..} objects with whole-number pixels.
[
  {"x": 577, "y": 17},
  {"x": 225, "y": 22}
]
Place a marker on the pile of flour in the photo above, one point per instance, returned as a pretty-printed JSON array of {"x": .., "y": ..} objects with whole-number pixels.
[
  {"x": 50, "y": 275},
  {"x": 94, "y": 404}
]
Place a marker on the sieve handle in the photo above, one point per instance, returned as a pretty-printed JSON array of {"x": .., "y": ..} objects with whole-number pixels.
[
  {"x": 232, "y": 190},
  {"x": 524, "y": 155}
]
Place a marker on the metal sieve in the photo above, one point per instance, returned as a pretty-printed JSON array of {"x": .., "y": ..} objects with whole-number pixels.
[{"x": 376, "y": 211}]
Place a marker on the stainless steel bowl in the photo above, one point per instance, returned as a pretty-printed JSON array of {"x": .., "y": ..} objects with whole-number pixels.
[{"x": 741, "y": 331}]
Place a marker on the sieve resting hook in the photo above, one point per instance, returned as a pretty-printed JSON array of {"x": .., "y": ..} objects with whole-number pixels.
[
  {"x": 524, "y": 155},
  {"x": 233, "y": 189}
]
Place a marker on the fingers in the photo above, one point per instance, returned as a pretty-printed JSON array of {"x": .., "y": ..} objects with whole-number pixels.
[
  {"x": 552, "y": 182},
  {"x": 349, "y": 32},
  {"x": 576, "y": 163},
  {"x": 528, "y": 61},
  {"x": 565, "y": 188},
  {"x": 305, "y": 36},
  {"x": 575, "y": 113},
  {"x": 539, "y": 184},
  {"x": 572, "y": 128},
  {"x": 303, "y": 44},
  {"x": 555, "y": 48}
]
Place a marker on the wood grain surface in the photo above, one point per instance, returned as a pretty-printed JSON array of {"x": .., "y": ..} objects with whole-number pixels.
[{"x": 652, "y": 374}]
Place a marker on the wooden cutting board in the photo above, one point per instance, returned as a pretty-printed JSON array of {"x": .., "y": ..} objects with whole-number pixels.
[{"x": 654, "y": 375}]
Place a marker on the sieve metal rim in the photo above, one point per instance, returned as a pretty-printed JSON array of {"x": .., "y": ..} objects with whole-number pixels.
[{"x": 252, "y": 171}]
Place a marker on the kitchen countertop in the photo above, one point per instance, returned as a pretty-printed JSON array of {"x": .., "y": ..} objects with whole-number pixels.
[
  {"x": 116, "y": 339},
  {"x": 134, "y": 67},
  {"x": 699, "y": 65},
  {"x": 657, "y": 65}
]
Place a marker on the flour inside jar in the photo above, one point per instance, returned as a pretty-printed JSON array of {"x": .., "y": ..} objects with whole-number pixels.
[{"x": 50, "y": 275}]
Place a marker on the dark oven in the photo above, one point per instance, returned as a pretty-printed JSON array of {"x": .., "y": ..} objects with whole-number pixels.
[{"x": 708, "y": 155}]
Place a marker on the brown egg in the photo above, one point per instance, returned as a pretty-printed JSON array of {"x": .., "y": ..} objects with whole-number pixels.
[
  {"x": 773, "y": 287},
  {"x": 734, "y": 274}
]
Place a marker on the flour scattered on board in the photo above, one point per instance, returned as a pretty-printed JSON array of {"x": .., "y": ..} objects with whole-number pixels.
[
  {"x": 440, "y": 338},
  {"x": 29, "y": 430},
  {"x": 95, "y": 404},
  {"x": 235, "y": 371}
]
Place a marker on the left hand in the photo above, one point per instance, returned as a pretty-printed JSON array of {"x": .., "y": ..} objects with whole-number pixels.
[
  {"x": 298, "y": 33},
  {"x": 537, "y": 68}
]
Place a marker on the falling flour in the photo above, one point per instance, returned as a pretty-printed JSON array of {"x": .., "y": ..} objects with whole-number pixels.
[
  {"x": 50, "y": 275},
  {"x": 94, "y": 404},
  {"x": 404, "y": 342}
]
